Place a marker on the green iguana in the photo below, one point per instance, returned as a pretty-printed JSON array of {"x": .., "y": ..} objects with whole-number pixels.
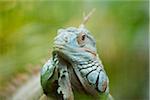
[{"x": 74, "y": 67}]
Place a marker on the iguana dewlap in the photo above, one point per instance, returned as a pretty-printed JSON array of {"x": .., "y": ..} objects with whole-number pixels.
[{"x": 83, "y": 68}]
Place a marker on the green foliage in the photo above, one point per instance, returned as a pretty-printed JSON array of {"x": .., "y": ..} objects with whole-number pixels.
[{"x": 27, "y": 29}]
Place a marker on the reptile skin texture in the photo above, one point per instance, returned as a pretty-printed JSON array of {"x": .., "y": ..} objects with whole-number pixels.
[{"x": 77, "y": 48}]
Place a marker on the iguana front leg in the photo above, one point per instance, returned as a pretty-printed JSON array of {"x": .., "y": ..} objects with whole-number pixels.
[{"x": 49, "y": 76}]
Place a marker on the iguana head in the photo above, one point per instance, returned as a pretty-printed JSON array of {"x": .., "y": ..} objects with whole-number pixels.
[
  {"x": 75, "y": 44},
  {"x": 76, "y": 49}
]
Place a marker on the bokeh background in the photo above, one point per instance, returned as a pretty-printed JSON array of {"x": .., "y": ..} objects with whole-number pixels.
[{"x": 27, "y": 29}]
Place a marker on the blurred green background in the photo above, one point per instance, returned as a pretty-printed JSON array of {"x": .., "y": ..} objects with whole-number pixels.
[{"x": 27, "y": 29}]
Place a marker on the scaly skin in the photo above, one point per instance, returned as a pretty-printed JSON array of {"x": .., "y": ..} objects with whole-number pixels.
[
  {"x": 78, "y": 48},
  {"x": 49, "y": 75}
]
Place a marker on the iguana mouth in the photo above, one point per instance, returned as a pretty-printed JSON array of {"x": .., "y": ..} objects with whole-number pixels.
[{"x": 92, "y": 52}]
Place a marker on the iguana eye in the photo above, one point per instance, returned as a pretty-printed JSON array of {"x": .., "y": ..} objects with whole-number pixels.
[{"x": 81, "y": 38}]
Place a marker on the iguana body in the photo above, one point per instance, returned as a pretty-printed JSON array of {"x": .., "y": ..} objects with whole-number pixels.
[{"x": 75, "y": 48}]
